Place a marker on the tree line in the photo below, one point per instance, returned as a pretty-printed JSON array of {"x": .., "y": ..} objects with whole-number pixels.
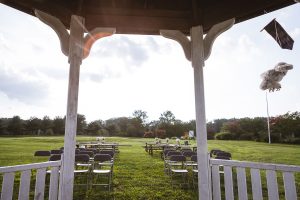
[{"x": 284, "y": 128}]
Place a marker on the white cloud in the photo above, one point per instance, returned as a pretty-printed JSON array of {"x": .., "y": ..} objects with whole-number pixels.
[
  {"x": 128, "y": 72},
  {"x": 22, "y": 86},
  {"x": 295, "y": 33}
]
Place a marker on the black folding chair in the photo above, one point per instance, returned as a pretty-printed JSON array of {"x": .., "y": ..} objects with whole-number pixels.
[
  {"x": 82, "y": 169},
  {"x": 177, "y": 169},
  {"x": 102, "y": 168},
  {"x": 42, "y": 153}
]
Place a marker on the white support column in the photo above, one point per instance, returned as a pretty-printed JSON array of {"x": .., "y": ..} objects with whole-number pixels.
[
  {"x": 76, "y": 47},
  {"x": 198, "y": 50},
  {"x": 198, "y": 64},
  {"x": 75, "y": 59}
]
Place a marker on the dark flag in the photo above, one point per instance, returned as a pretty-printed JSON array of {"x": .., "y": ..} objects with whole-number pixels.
[{"x": 279, "y": 34}]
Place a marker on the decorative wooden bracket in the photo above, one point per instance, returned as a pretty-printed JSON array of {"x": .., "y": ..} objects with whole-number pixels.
[
  {"x": 93, "y": 36},
  {"x": 58, "y": 27},
  {"x": 213, "y": 33},
  {"x": 210, "y": 37},
  {"x": 181, "y": 38},
  {"x": 64, "y": 36}
]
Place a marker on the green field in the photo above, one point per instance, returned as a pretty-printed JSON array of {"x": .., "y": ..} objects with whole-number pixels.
[{"x": 137, "y": 175}]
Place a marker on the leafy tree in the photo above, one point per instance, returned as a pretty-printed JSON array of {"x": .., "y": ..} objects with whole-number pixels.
[
  {"x": 3, "y": 126},
  {"x": 287, "y": 126},
  {"x": 33, "y": 125},
  {"x": 210, "y": 130},
  {"x": 59, "y": 125},
  {"x": 15, "y": 126},
  {"x": 81, "y": 124},
  {"x": 94, "y": 127},
  {"x": 167, "y": 117},
  {"x": 218, "y": 123},
  {"x": 46, "y": 124},
  {"x": 140, "y": 115}
]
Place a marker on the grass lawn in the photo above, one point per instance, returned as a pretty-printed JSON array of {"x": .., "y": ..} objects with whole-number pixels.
[{"x": 138, "y": 175}]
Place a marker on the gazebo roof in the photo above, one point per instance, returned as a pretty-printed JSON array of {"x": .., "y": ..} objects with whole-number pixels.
[{"x": 150, "y": 16}]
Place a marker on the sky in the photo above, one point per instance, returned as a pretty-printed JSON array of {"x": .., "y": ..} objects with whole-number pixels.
[{"x": 124, "y": 73}]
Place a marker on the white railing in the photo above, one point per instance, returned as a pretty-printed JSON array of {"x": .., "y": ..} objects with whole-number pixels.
[
  {"x": 8, "y": 175},
  {"x": 240, "y": 168}
]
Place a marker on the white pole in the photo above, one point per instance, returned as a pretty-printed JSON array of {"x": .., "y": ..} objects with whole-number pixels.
[
  {"x": 198, "y": 64},
  {"x": 268, "y": 118},
  {"x": 75, "y": 58}
]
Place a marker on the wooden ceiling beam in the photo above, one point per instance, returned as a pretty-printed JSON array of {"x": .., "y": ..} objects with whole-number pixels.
[
  {"x": 243, "y": 10},
  {"x": 138, "y": 12},
  {"x": 150, "y": 16},
  {"x": 51, "y": 7},
  {"x": 150, "y": 25}
]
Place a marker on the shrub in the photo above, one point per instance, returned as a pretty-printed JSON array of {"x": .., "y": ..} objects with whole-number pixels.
[
  {"x": 291, "y": 140},
  {"x": 246, "y": 136},
  {"x": 262, "y": 137},
  {"x": 148, "y": 134},
  {"x": 160, "y": 133},
  {"x": 225, "y": 136}
]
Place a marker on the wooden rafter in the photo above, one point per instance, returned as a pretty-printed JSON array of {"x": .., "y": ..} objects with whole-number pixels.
[{"x": 150, "y": 16}]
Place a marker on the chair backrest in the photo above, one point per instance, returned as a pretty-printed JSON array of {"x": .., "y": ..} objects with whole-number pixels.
[
  {"x": 42, "y": 153},
  {"x": 189, "y": 153},
  {"x": 173, "y": 153},
  {"x": 178, "y": 158},
  {"x": 55, "y": 157},
  {"x": 223, "y": 155},
  {"x": 56, "y": 151},
  {"x": 102, "y": 157},
  {"x": 166, "y": 151},
  {"x": 77, "y": 151},
  {"x": 89, "y": 153},
  {"x": 194, "y": 158},
  {"x": 214, "y": 152},
  {"x": 188, "y": 149},
  {"x": 82, "y": 158},
  {"x": 93, "y": 150},
  {"x": 109, "y": 152}
]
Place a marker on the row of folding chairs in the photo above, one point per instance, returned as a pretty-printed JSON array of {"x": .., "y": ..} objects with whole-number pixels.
[
  {"x": 181, "y": 164},
  {"x": 177, "y": 165},
  {"x": 91, "y": 171},
  {"x": 90, "y": 152},
  {"x": 98, "y": 170}
]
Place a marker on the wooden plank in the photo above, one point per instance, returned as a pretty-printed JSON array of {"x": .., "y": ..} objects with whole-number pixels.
[
  {"x": 7, "y": 186},
  {"x": 228, "y": 183},
  {"x": 29, "y": 166},
  {"x": 242, "y": 183},
  {"x": 256, "y": 184},
  {"x": 216, "y": 183},
  {"x": 25, "y": 185},
  {"x": 40, "y": 184},
  {"x": 256, "y": 165},
  {"x": 289, "y": 186},
  {"x": 272, "y": 185},
  {"x": 53, "y": 190}
]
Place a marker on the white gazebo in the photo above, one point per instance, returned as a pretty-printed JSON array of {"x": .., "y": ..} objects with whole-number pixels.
[{"x": 203, "y": 21}]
